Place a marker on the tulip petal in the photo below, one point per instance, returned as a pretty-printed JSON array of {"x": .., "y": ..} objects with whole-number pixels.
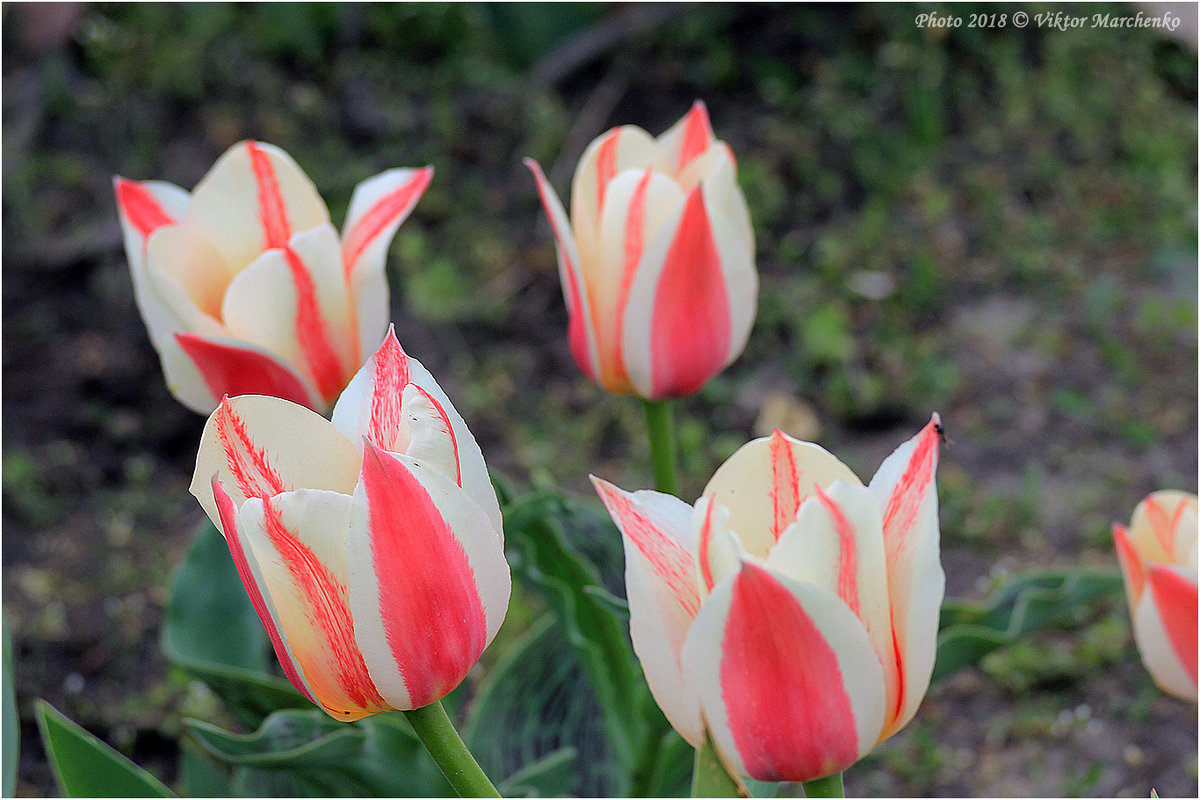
[
  {"x": 254, "y": 198},
  {"x": 1163, "y": 528},
  {"x": 662, "y": 592},
  {"x": 718, "y": 551},
  {"x": 377, "y": 208},
  {"x": 764, "y": 483},
  {"x": 696, "y": 268},
  {"x": 308, "y": 319},
  {"x": 252, "y": 579},
  {"x": 636, "y": 205},
  {"x": 620, "y": 149},
  {"x": 836, "y": 543},
  {"x": 144, "y": 207},
  {"x": 1164, "y": 626},
  {"x": 262, "y": 446},
  {"x": 905, "y": 488},
  {"x": 230, "y": 367},
  {"x": 790, "y": 686},
  {"x": 428, "y": 581},
  {"x": 581, "y": 330},
  {"x": 687, "y": 139},
  {"x": 299, "y": 542},
  {"x": 1132, "y": 566},
  {"x": 373, "y": 405}
]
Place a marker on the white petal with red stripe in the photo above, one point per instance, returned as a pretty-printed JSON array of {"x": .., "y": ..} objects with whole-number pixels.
[
  {"x": 766, "y": 480},
  {"x": 143, "y": 208},
  {"x": 264, "y": 446},
  {"x": 224, "y": 366},
  {"x": 298, "y": 540},
  {"x": 906, "y": 490},
  {"x": 660, "y": 582},
  {"x": 373, "y": 406},
  {"x": 581, "y": 331},
  {"x": 308, "y": 321},
  {"x": 688, "y": 139},
  {"x": 836, "y": 543},
  {"x": 691, "y": 303},
  {"x": 718, "y": 549},
  {"x": 1165, "y": 628},
  {"x": 254, "y": 198},
  {"x": 429, "y": 585},
  {"x": 789, "y": 683},
  {"x": 377, "y": 208}
]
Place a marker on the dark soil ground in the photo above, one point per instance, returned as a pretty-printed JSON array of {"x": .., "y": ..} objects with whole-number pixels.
[{"x": 996, "y": 223}]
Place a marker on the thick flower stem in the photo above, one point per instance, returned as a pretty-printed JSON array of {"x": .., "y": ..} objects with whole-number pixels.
[
  {"x": 829, "y": 786},
  {"x": 437, "y": 733},
  {"x": 709, "y": 776},
  {"x": 662, "y": 444}
]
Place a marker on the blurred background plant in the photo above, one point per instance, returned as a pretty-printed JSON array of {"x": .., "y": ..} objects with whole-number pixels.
[{"x": 999, "y": 224}]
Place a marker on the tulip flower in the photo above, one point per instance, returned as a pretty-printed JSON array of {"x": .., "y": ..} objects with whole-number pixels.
[
  {"x": 370, "y": 546},
  {"x": 793, "y": 612},
  {"x": 1157, "y": 553},
  {"x": 246, "y": 287},
  {"x": 657, "y": 261}
]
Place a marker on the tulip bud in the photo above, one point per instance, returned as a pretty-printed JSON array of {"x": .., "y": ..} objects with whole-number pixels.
[
  {"x": 793, "y": 612},
  {"x": 1157, "y": 553},
  {"x": 370, "y": 546},
  {"x": 657, "y": 260},
  {"x": 245, "y": 286}
]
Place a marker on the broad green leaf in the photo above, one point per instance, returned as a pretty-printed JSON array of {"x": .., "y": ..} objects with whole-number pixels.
[
  {"x": 379, "y": 755},
  {"x": 1026, "y": 604},
  {"x": 87, "y": 767},
  {"x": 211, "y": 630},
  {"x": 200, "y": 775},
  {"x": 12, "y": 725}
]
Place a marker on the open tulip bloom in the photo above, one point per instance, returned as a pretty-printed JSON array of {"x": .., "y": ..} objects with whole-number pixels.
[
  {"x": 793, "y": 612},
  {"x": 1157, "y": 553},
  {"x": 657, "y": 260},
  {"x": 246, "y": 287},
  {"x": 370, "y": 546}
]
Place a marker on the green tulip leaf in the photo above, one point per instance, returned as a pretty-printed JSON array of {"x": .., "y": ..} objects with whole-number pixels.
[
  {"x": 87, "y": 767},
  {"x": 1026, "y": 604},
  {"x": 379, "y": 755}
]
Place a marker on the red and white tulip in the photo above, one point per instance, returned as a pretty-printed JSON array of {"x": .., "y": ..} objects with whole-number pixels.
[
  {"x": 792, "y": 611},
  {"x": 371, "y": 546},
  {"x": 246, "y": 287},
  {"x": 657, "y": 259},
  {"x": 1157, "y": 553}
]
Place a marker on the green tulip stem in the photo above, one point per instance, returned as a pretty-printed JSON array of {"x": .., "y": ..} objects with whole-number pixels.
[
  {"x": 437, "y": 733},
  {"x": 709, "y": 776},
  {"x": 662, "y": 444},
  {"x": 829, "y": 786}
]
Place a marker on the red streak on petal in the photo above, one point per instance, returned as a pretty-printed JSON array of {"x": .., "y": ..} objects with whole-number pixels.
[
  {"x": 432, "y": 614},
  {"x": 705, "y": 544},
  {"x": 789, "y": 713},
  {"x": 576, "y": 324},
  {"x": 231, "y": 371},
  {"x": 606, "y": 167},
  {"x": 449, "y": 429},
  {"x": 394, "y": 204},
  {"x": 237, "y": 549},
  {"x": 1131, "y": 563},
  {"x": 691, "y": 326},
  {"x": 697, "y": 133},
  {"x": 272, "y": 212},
  {"x": 901, "y": 687},
  {"x": 634, "y": 234},
  {"x": 910, "y": 491},
  {"x": 785, "y": 484},
  {"x": 255, "y": 475},
  {"x": 668, "y": 558},
  {"x": 848, "y": 553},
  {"x": 328, "y": 611},
  {"x": 391, "y": 376},
  {"x": 140, "y": 207},
  {"x": 312, "y": 331},
  {"x": 1176, "y": 599}
]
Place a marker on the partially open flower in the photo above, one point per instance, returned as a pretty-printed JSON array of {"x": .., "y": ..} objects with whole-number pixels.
[
  {"x": 793, "y": 612},
  {"x": 1157, "y": 553},
  {"x": 246, "y": 287}
]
